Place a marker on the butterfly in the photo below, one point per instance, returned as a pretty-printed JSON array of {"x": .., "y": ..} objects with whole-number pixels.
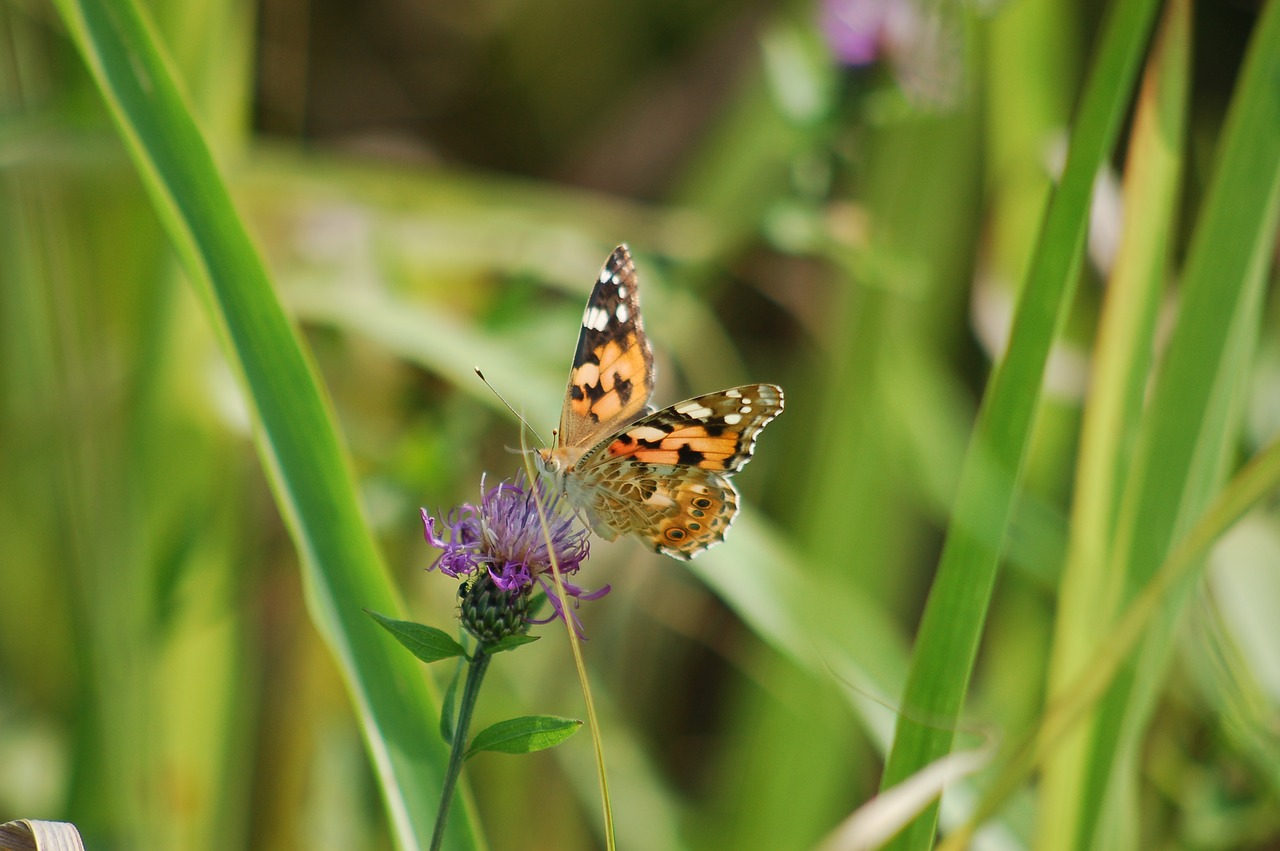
[{"x": 661, "y": 475}]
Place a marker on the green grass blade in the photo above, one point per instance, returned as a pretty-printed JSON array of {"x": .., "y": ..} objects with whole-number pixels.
[
  {"x": 1247, "y": 491},
  {"x": 1089, "y": 591},
  {"x": 294, "y": 431},
  {"x": 956, "y": 610},
  {"x": 1191, "y": 426}
]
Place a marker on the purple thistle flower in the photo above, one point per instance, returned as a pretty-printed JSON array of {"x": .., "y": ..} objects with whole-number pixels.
[
  {"x": 855, "y": 29},
  {"x": 922, "y": 42},
  {"x": 503, "y": 536}
]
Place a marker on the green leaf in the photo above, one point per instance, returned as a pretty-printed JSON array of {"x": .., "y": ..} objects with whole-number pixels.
[
  {"x": 426, "y": 642},
  {"x": 510, "y": 642},
  {"x": 525, "y": 734},
  {"x": 537, "y": 603}
]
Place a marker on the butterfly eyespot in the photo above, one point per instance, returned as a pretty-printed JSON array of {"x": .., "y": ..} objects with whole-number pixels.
[
  {"x": 693, "y": 527},
  {"x": 702, "y": 502},
  {"x": 675, "y": 535}
]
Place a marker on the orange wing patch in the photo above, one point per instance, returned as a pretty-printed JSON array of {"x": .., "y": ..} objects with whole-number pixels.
[
  {"x": 693, "y": 446},
  {"x": 715, "y": 432},
  {"x": 605, "y": 387},
  {"x": 611, "y": 378}
]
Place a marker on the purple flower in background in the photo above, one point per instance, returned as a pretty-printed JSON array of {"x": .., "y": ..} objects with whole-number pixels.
[
  {"x": 503, "y": 537},
  {"x": 921, "y": 42},
  {"x": 856, "y": 29}
]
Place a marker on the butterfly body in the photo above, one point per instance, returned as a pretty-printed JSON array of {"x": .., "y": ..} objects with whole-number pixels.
[{"x": 662, "y": 475}]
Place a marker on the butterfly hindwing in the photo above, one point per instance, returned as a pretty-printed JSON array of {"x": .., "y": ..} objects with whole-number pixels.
[
  {"x": 677, "y": 511},
  {"x": 612, "y": 375}
]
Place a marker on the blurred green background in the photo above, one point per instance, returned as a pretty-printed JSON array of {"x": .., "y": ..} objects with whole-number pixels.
[{"x": 842, "y": 198}]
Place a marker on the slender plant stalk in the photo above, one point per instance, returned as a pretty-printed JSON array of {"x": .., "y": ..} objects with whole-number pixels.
[
  {"x": 475, "y": 675},
  {"x": 592, "y": 722}
]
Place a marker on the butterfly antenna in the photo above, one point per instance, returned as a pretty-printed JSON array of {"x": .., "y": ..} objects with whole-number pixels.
[{"x": 517, "y": 414}]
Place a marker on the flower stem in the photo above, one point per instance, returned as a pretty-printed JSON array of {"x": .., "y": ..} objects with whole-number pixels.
[{"x": 475, "y": 673}]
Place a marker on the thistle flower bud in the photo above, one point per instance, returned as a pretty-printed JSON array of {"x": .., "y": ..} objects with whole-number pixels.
[{"x": 491, "y": 613}]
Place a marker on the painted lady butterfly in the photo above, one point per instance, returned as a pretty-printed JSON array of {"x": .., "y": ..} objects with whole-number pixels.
[{"x": 662, "y": 475}]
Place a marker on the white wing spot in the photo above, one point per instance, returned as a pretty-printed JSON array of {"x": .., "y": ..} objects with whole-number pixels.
[
  {"x": 735, "y": 393},
  {"x": 595, "y": 318},
  {"x": 605, "y": 275},
  {"x": 622, "y": 313},
  {"x": 745, "y": 409},
  {"x": 660, "y": 499},
  {"x": 693, "y": 409},
  {"x": 622, "y": 291},
  {"x": 732, "y": 419},
  {"x": 647, "y": 433}
]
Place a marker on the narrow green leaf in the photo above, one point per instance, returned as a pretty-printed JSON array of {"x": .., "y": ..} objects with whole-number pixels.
[
  {"x": 1119, "y": 379},
  {"x": 1250, "y": 488},
  {"x": 525, "y": 734},
  {"x": 293, "y": 426},
  {"x": 511, "y": 642},
  {"x": 1190, "y": 433},
  {"x": 956, "y": 611},
  {"x": 426, "y": 642}
]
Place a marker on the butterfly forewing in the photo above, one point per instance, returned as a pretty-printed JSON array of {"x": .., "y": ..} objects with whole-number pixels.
[
  {"x": 612, "y": 375},
  {"x": 716, "y": 431}
]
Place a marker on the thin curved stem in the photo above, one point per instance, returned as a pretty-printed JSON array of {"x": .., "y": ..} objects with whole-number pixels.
[{"x": 592, "y": 722}]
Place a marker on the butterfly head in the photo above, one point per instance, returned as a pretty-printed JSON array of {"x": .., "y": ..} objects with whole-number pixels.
[
  {"x": 548, "y": 463},
  {"x": 557, "y": 464}
]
